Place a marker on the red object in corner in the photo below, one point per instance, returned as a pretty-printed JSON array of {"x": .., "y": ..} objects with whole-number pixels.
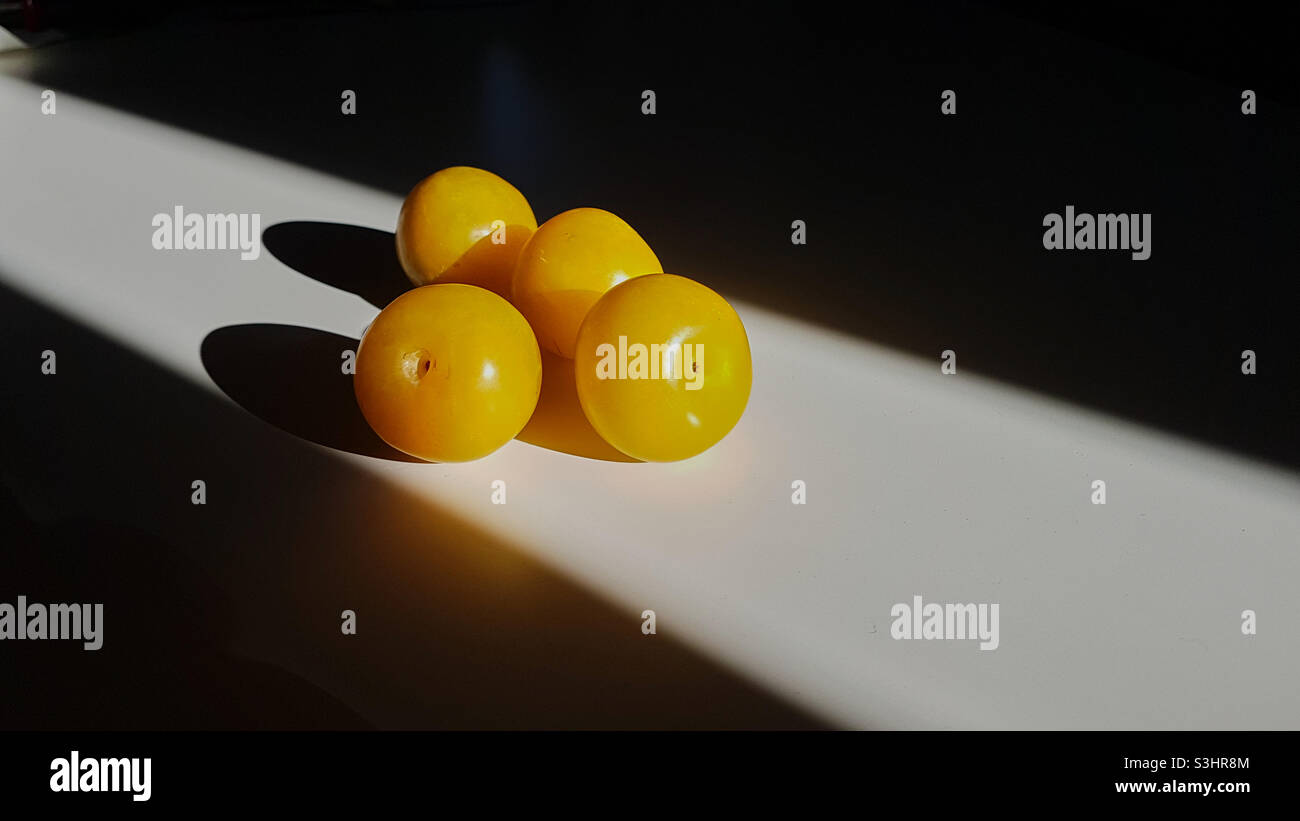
[{"x": 31, "y": 15}]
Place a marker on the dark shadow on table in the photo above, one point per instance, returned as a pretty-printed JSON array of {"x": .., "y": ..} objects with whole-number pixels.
[
  {"x": 293, "y": 378},
  {"x": 163, "y": 657},
  {"x": 361, "y": 261},
  {"x": 227, "y": 614}
]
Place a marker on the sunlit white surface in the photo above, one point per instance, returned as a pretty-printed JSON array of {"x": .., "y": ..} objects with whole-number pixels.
[
  {"x": 9, "y": 41},
  {"x": 953, "y": 488}
]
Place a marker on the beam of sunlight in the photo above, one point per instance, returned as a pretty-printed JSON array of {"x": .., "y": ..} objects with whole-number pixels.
[{"x": 956, "y": 488}]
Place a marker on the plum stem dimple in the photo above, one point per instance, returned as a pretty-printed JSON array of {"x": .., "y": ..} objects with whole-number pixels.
[{"x": 415, "y": 365}]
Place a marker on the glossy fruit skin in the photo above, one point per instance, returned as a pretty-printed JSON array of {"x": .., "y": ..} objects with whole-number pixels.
[
  {"x": 660, "y": 420},
  {"x": 445, "y": 229},
  {"x": 448, "y": 373},
  {"x": 569, "y": 263}
]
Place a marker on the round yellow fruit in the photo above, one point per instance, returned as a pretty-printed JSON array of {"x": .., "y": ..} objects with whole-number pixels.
[
  {"x": 448, "y": 373},
  {"x": 463, "y": 225},
  {"x": 569, "y": 263},
  {"x": 663, "y": 367}
]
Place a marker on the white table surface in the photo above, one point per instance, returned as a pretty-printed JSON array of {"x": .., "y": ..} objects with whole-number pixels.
[{"x": 956, "y": 488}]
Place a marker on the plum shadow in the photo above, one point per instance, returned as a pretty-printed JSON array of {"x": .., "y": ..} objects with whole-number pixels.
[
  {"x": 292, "y": 377},
  {"x": 361, "y": 261}
]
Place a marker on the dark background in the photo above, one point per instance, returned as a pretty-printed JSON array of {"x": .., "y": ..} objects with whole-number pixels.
[{"x": 924, "y": 233}]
